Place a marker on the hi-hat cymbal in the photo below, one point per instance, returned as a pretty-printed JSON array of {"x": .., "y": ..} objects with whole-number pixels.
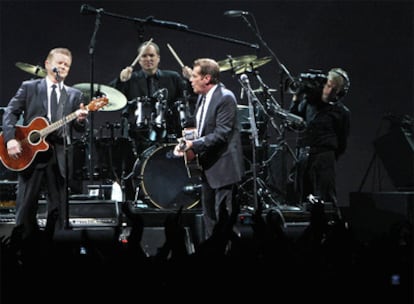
[
  {"x": 35, "y": 70},
  {"x": 250, "y": 66},
  {"x": 231, "y": 63},
  {"x": 116, "y": 100}
]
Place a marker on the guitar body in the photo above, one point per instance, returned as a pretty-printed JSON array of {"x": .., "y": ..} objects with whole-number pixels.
[{"x": 31, "y": 142}]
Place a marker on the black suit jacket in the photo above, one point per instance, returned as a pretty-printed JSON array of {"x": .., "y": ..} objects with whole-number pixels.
[
  {"x": 219, "y": 147},
  {"x": 31, "y": 101}
]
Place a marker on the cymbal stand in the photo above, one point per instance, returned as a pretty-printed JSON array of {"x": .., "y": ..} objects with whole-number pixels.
[{"x": 272, "y": 110}]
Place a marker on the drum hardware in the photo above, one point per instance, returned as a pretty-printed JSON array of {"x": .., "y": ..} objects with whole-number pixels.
[
  {"x": 143, "y": 111},
  {"x": 160, "y": 107},
  {"x": 111, "y": 127},
  {"x": 258, "y": 189},
  {"x": 181, "y": 108},
  {"x": 31, "y": 69}
]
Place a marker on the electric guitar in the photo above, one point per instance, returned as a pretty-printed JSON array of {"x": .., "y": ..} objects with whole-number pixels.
[
  {"x": 190, "y": 158},
  {"x": 32, "y": 137}
]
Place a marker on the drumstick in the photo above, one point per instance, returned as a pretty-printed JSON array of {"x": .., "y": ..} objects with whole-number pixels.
[
  {"x": 140, "y": 53},
  {"x": 175, "y": 55}
]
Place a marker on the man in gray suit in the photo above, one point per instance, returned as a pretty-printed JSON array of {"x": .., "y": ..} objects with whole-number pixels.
[
  {"x": 218, "y": 142},
  {"x": 47, "y": 168}
]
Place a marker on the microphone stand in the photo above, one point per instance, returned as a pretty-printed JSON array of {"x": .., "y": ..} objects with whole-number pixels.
[
  {"x": 252, "y": 99},
  {"x": 66, "y": 144},
  {"x": 150, "y": 20},
  {"x": 284, "y": 71},
  {"x": 92, "y": 64}
]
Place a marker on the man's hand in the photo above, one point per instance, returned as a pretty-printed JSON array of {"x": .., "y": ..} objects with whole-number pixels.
[
  {"x": 126, "y": 74},
  {"x": 14, "y": 149},
  {"x": 82, "y": 113}
]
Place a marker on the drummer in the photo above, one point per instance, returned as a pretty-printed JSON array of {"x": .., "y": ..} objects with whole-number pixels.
[{"x": 143, "y": 88}]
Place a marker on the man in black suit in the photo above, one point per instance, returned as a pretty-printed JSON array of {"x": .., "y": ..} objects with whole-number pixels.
[
  {"x": 47, "y": 170},
  {"x": 146, "y": 121},
  {"x": 218, "y": 142}
]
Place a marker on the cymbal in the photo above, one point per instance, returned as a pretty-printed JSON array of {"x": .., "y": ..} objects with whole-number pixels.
[
  {"x": 35, "y": 70},
  {"x": 116, "y": 100},
  {"x": 250, "y": 66},
  {"x": 230, "y": 63}
]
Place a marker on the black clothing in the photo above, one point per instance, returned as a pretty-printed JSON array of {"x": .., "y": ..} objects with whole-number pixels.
[{"x": 319, "y": 146}]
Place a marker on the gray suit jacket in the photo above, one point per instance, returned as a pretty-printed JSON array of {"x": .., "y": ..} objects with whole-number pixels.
[{"x": 219, "y": 147}]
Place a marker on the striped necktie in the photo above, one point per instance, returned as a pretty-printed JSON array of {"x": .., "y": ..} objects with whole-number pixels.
[{"x": 200, "y": 120}]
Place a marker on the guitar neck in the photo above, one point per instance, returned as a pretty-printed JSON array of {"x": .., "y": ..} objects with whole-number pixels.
[{"x": 57, "y": 124}]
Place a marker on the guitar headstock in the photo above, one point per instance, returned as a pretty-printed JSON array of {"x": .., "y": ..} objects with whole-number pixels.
[{"x": 97, "y": 103}]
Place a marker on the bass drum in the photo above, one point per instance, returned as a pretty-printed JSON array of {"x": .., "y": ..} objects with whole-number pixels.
[{"x": 161, "y": 178}]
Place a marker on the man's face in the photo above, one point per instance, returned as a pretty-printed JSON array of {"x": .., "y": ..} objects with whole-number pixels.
[
  {"x": 330, "y": 90},
  {"x": 149, "y": 60},
  {"x": 60, "y": 61},
  {"x": 199, "y": 82}
]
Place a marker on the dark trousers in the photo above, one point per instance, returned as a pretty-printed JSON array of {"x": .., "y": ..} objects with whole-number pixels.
[{"x": 211, "y": 200}]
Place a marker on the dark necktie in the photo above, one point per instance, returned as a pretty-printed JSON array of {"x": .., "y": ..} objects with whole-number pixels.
[
  {"x": 53, "y": 104},
  {"x": 151, "y": 86}
]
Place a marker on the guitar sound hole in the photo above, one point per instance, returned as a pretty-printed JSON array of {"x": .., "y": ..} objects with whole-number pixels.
[{"x": 34, "y": 137}]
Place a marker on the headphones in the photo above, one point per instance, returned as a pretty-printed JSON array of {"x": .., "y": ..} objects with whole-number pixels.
[{"x": 346, "y": 84}]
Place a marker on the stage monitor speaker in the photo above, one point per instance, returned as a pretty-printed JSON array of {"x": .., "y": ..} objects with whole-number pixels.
[
  {"x": 87, "y": 213},
  {"x": 396, "y": 150}
]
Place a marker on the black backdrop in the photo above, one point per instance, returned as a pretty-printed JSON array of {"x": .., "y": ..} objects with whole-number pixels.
[{"x": 372, "y": 40}]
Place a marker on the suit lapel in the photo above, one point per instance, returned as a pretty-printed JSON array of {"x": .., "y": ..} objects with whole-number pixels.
[{"x": 42, "y": 87}]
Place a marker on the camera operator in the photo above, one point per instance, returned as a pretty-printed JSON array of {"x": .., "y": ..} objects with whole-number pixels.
[{"x": 318, "y": 100}]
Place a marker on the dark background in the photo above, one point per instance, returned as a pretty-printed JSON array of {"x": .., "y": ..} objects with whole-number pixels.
[{"x": 372, "y": 40}]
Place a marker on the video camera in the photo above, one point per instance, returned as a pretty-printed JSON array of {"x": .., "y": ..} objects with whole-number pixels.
[{"x": 308, "y": 82}]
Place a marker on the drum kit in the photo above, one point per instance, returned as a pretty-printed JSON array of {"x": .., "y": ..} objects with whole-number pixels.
[{"x": 155, "y": 175}]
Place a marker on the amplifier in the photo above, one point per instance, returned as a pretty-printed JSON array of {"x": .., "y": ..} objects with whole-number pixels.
[
  {"x": 86, "y": 213},
  {"x": 8, "y": 193}
]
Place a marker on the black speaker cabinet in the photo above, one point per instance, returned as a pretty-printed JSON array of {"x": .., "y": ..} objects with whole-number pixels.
[
  {"x": 86, "y": 213},
  {"x": 396, "y": 150}
]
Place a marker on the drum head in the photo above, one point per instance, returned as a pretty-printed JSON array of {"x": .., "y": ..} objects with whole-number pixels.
[{"x": 165, "y": 181}]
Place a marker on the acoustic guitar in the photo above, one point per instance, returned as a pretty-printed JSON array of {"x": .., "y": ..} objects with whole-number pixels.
[{"x": 32, "y": 137}]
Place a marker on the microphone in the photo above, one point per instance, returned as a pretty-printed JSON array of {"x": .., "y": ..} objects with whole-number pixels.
[
  {"x": 234, "y": 13},
  {"x": 90, "y": 10},
  {"x": 56, "y": 71},
  {"x": 245, "y": 79},
  {"x": 160, "y": 94}
]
